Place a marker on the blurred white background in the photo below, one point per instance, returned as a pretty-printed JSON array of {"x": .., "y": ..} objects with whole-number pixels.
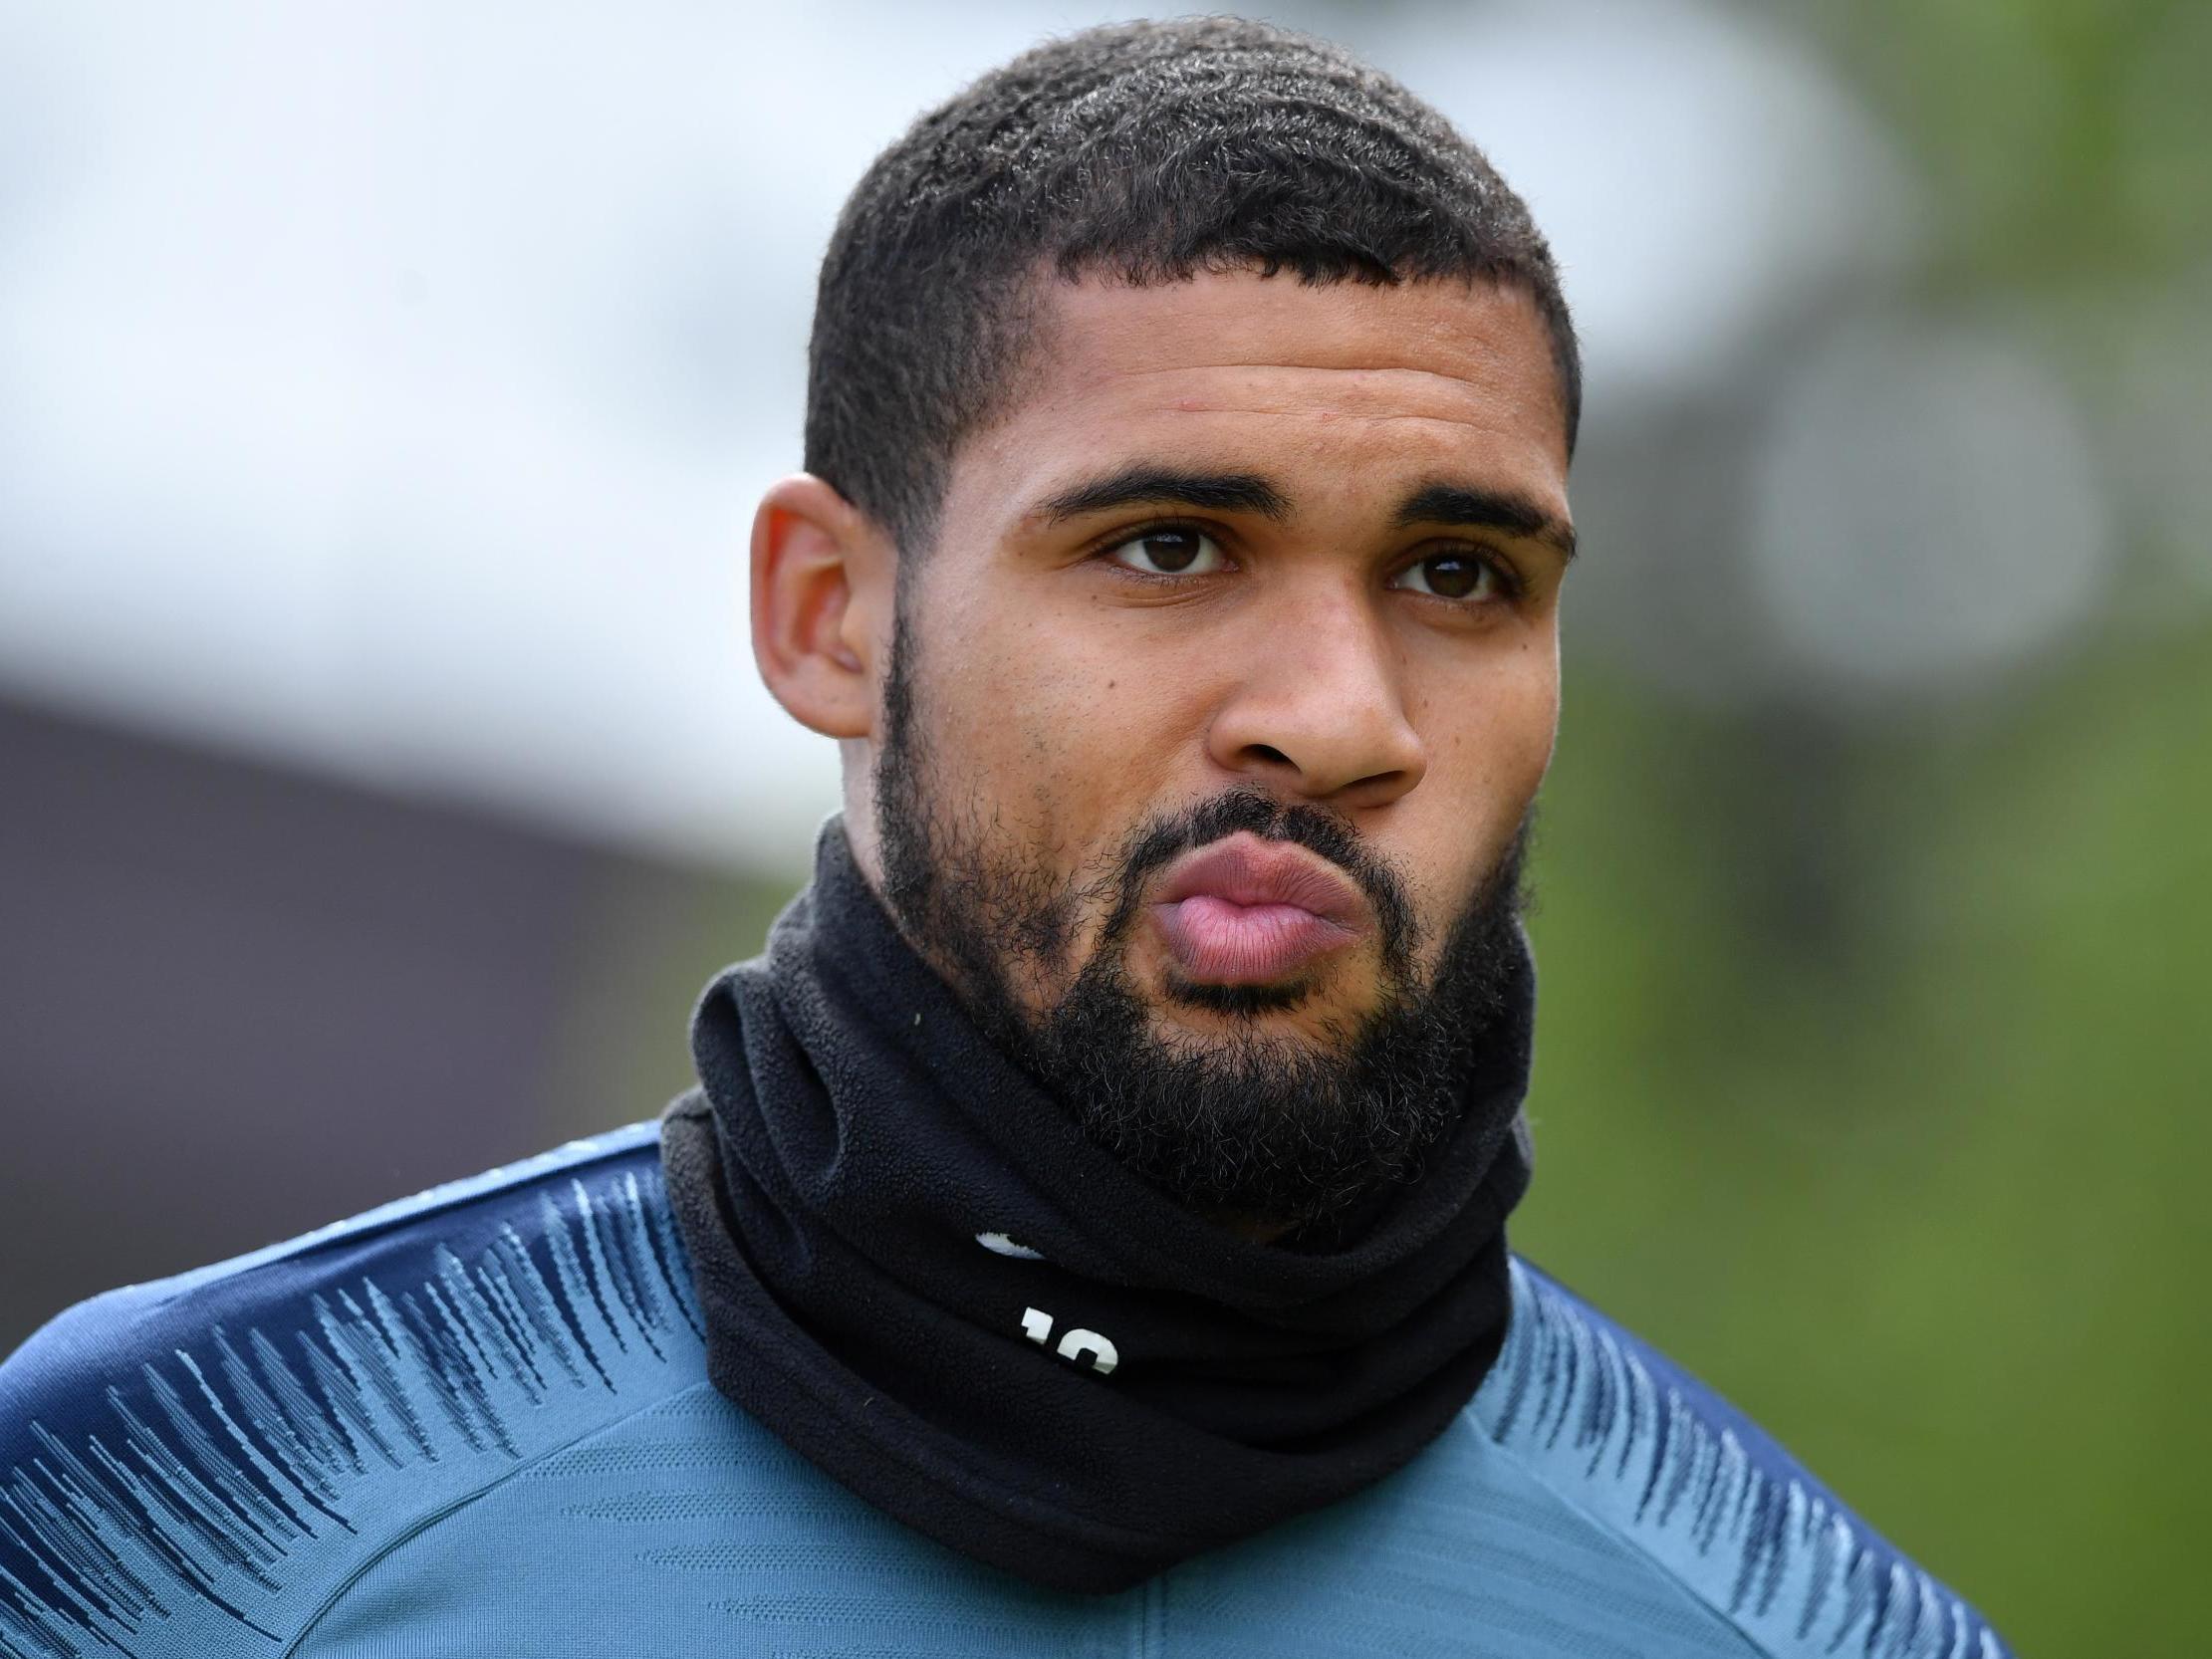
[{"x": 387, "y": 388}]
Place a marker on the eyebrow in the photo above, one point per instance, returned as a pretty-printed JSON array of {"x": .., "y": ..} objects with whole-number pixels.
[
  {"x": 1504, "y": 510},
  {"x": 1161, "y": 486},
  {"x": 1147, "y": 485}
]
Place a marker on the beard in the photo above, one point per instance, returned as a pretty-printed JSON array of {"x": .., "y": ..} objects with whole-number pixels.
[{"x": 1252, "y": 1125}]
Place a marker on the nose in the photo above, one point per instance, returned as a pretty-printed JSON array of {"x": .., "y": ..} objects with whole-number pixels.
[{"x": 1318, "y": 708}]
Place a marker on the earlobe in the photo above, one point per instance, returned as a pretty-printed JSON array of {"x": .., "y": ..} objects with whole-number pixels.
[{"x": 821, "y": 580}]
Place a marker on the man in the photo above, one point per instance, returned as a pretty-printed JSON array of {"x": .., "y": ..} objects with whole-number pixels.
[{"x": 1089, "y": 1232}]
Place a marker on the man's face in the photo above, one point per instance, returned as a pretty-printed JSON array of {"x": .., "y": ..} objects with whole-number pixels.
[{"x": 1225, "y": 689}]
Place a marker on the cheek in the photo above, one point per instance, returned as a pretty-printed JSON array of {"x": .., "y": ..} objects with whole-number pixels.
[
  {"x": 1527, "y": 724},
  {"x": 1489, "y": 744},
  {"x": 1054, "y": 726}
]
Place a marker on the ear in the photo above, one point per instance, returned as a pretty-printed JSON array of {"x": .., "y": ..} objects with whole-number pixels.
[{"x": 822, "y": 591}]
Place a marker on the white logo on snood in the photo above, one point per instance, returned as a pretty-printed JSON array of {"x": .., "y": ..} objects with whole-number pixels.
[{"x": 1076, "y": 1344}]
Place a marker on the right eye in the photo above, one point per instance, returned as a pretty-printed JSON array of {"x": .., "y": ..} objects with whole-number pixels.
[{"x": 1169, "y": 552}]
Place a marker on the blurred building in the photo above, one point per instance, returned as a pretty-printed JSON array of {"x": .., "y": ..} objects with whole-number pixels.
[{"x": 241, "y": 1002}]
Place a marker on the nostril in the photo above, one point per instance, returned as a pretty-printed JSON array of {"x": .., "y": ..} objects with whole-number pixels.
[{"x": 1267, "y": 752}]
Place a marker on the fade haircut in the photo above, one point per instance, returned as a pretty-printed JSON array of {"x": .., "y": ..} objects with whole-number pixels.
[{"x": 1143, "y": 152}]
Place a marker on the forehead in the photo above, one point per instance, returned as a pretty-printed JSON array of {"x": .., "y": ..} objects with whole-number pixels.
[{"x": 1325, "y": 388}]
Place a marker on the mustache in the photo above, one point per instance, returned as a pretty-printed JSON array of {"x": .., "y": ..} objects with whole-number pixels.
[{"x": 1162, "y": 839}]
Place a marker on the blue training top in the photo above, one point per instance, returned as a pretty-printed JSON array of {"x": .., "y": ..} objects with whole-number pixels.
[{"x": 477, "y": 1424}]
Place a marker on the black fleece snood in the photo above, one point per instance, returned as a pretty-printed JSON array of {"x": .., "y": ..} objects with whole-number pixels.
[{"x": 920, "y": 1275}]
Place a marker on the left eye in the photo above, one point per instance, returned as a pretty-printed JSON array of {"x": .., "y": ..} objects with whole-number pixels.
[
  {"x": 1170, "y": 553},
  {"x": 1451, "y": 575}
]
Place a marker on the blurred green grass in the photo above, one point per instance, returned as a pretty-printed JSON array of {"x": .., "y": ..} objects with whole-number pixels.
[{"x": 1910, "y": 1169}]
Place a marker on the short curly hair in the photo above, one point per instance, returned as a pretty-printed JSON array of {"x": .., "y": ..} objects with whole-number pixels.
[{"x": 1149, "y": 153}]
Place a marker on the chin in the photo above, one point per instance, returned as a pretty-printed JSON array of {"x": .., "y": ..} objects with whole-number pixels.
[
  {"x": 1239, "y": 1001},
  {"x": 1306, "y": 1015}
]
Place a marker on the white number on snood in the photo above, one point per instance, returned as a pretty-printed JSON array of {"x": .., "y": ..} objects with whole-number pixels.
[{"x": 1076, "y": 1344}]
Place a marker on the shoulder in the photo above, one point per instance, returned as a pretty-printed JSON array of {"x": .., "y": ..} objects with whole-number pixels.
[
  {"x": 1629, "y": 1440},
  {"x": 195, "y": 1465}
]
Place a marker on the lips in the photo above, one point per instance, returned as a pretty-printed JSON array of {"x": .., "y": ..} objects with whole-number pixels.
[{"x": 1245, "y": 911}]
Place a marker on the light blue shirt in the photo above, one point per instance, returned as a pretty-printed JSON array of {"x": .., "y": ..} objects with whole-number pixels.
[{"x": 477, "y": 1424}]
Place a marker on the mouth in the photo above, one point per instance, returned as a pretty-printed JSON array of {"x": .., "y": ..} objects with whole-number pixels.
[{"x": 1247, "y": 911}]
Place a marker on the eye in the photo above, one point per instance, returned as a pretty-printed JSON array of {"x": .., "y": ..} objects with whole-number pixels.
[
  {"x": 1169, "y": 551},
  {"x": 1454, "y": 575}
]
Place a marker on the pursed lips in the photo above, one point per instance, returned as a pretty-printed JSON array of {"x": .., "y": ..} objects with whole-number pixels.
[{"x": 1248, "y": 911}]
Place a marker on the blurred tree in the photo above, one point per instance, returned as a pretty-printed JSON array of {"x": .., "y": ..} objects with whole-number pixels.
[{"x": 1874, "y": 1068}]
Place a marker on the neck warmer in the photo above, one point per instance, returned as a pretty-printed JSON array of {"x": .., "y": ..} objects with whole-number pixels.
[{"x": 922, "y": 1276}]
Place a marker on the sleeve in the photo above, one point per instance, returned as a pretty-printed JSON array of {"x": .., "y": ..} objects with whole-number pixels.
[{"x": 195, "y": 1467}]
